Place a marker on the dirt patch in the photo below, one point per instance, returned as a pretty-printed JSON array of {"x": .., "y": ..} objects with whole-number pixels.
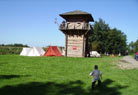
[{"x": 128, "y": 62}]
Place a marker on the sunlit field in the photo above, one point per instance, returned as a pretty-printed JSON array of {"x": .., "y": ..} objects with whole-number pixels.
[{"x": 21, "y": 75}]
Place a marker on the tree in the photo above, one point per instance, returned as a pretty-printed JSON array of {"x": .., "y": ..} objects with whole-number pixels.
[
  {"x": 116, "y": 41},
  {"x": 105, "y": 39},
  {"x": 100, "y": 32},
  {"x": 136, "y": 46},
  {"x": 133, "y": 47}
]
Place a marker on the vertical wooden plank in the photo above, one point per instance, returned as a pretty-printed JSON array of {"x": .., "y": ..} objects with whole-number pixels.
[
  {"x": 66, "y": 44},
  {"x": 87, "y": 47},
  {"x": 83, "y": 46}
]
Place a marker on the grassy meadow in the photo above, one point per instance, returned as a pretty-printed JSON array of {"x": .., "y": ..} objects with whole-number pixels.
[{"x": 20, "y": 75}]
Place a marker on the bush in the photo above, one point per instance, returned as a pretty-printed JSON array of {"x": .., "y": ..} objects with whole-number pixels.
[{"x": 10, "y": 50}]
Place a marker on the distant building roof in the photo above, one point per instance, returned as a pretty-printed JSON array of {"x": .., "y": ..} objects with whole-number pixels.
[{"x": 77, "y": 13}]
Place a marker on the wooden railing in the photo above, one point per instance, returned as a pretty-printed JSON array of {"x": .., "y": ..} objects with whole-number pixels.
[{"x": 74, "y": 26}]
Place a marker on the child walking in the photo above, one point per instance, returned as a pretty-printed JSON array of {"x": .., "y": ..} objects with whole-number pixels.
[{"x": 97, "y": 75}]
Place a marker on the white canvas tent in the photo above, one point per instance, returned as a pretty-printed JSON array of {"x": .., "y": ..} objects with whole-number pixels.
[
  {"x": 62, "y": 51},
  {"x": 94, "y": 54},
  {"x": 36, "y": 51},
  {"x": 25, "y": 51}
]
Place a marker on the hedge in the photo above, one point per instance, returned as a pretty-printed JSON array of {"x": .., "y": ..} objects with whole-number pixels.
[{"x": 10, "y": 50}]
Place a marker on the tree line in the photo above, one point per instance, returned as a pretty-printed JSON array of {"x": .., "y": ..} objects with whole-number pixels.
[
  {"x": 11, "y": 48},
  {"x": 133, "y": 47},
  {"x": 13, "y": 45},
  {"x": 107, "y": 40}
]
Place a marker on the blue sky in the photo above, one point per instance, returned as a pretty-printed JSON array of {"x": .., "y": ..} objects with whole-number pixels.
[{"x": 32, "y": 21}]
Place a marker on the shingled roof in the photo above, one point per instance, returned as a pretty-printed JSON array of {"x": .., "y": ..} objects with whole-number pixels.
[{"x": 77, "y": 12}]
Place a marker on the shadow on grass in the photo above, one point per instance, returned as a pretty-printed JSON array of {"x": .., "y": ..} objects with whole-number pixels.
[
  {"x": 3, "y": 63},
  {"x": 52, "y": 88},
  {"x": 106, "y": 89},
  {"x": 12, "y": 76}
]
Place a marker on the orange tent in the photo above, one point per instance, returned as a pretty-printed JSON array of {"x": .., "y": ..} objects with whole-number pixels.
[{"x": 52, "y": 51}]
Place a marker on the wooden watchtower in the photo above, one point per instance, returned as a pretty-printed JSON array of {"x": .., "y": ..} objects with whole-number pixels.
[{"x": 76, "y": 28}]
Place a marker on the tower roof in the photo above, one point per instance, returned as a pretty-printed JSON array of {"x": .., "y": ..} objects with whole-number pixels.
[{"x": 77, "y": 13}]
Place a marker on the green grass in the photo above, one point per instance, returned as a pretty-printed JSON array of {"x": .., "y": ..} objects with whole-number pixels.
[{"x": 21, "y": 75}]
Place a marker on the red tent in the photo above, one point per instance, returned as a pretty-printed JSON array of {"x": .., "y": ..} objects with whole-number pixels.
[{"x": 52, "y": 51}]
